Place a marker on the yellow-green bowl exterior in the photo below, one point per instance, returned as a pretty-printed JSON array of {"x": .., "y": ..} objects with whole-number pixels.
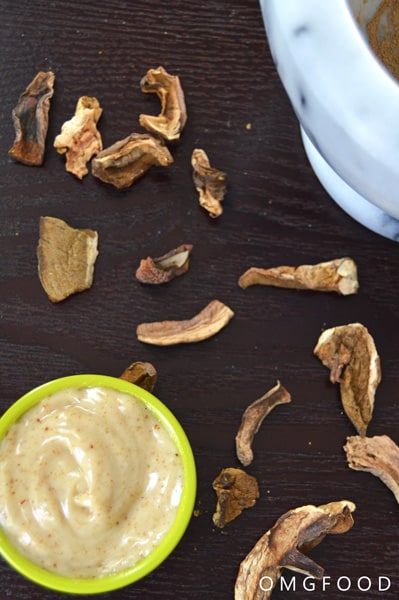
[{"x": 184, "y": 512}]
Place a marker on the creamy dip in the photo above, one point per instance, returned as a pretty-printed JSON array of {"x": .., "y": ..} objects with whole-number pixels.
[{"x": 90, "y": 482}]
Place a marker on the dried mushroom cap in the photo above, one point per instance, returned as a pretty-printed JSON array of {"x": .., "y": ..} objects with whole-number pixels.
[
  {"x": 165, "y": 268},
  {"x": 128, "y": 159},
  {"x": 205, "y": 324},
  {"x": 235, "y": 491},
  {"x": 338, "y": 275},
  {"x": 253, "y": 418},
  {"x": 350, "y": 354},
  {"x": 80, "y": 139},
  {"x": 30, "y": 118},
  {"x": 378, "y": 455},
  {"x": 66, "y": 258},
  {"x": 295, "y": 532},
  {"x": 210, "y": 183},
  {"x": 142, "y": 374},
  {"x": 170, "y": 122}
]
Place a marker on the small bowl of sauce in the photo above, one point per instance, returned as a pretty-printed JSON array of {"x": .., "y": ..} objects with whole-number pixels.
[{"x": 97, "y": 484}]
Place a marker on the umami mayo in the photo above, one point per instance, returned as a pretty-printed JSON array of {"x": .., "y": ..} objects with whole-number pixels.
[{"x": 90, "y": 482}]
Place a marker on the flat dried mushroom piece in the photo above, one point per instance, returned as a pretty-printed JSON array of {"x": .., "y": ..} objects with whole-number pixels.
[
  {"x": 378, "y": 455},
  {"x": 142, "y": 374},
  {"x": 30, "y": 118},
  {"x": 210, "y": 183},
  {"x": 350, "y": 354},
  {"x": 170, "y": 122},
  {"x": 127, "y": 160},
  {"x": 66, "y": 258},
  {"x": 338, "y": 275},
  {"x": 235, "y": 491},
  {"x": 80, "y": 139},
  {"x": 253, "y": 418},
  {"x": 165, "y": 268},
  {"x": 205, "y": 324},
  {"x": 295, "y": 532}
]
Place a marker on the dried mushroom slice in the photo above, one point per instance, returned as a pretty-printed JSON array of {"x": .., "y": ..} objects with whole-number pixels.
[
  {"x": 165, "y": 268},
  {"x": 125, "y": 161},
  {"x": 210, "y": 183},
  {"x": 142, "y": 374},
  {"x": 295, "y": 532},
  {"x": 338, "y": 275},
  {"x": 235, "y": 491},
  {"x": 30, "y": 118},
  {"x": 205, "y": 324},
  {"x": 253, "y": 418},
  {"x": 80, "y": 139},
  {"x": 350, "y": 354},
  {"x": 170, "y": 122},
  {"x": 66, "y": 258},
  {"x": 378, "y": 455}
]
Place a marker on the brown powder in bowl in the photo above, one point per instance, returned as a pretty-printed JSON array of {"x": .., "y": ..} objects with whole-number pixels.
[{"x": 383, "y": 33}]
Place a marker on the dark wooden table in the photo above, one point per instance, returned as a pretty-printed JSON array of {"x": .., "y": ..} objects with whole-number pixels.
[{"x": 275, "y": 212}]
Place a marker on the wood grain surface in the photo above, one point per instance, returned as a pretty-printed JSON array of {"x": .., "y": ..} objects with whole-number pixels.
[{"x": 275, "y": 213}]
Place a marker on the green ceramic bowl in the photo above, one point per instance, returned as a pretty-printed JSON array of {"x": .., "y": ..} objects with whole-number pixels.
[{"x": 184, "y": 512}]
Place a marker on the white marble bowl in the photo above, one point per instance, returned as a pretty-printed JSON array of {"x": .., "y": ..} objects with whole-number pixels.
[{"x": 346, "y": 101}]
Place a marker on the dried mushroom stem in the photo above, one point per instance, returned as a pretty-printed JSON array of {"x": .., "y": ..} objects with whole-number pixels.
[
  {"x": 210, "y": 183},
  {"x": 378, "y": 455},
  {"x": 338, "y": 275},
  {"x": 205, "y": 324},
  {"x": 253, "y": 417},
  {"x": 30, "y": 118},
  {"x": 295, "y": 532},
  {"x": 142, "y": 374},
  {"x": 235, "y": 491},
  {"x": 170, "y": 122},
  {"x": 80, "y": 139},
  {"x": 166, "y": 267},
  {"x": 350, "y": 354},
  {"x": 127, "y": 160}
]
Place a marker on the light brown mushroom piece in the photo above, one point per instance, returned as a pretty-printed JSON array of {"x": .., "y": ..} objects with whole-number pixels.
[
  {"x": 166, "y": 267},
  {"x": 350, "y": 354},
  {"x": 30, "y": 118},
  {"x": 378, "y": 455},
  {"x": 235, "y": 491},
  {"x": 338, "y": 275},
  {"x": 253, "y": 417},
  {"x": 283, "y": 546},
  {"x": 142, "y": 374},
  {"x": 127, "y": 160},
  {"x": 80, "y": 139},
  {"x": 210, "y": 183},
  {"x": 209, "y": 321},
  {"x": 170, "y": 122}
]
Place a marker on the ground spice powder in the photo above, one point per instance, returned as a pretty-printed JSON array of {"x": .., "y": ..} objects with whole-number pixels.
[{"x": 383, "y": 33}]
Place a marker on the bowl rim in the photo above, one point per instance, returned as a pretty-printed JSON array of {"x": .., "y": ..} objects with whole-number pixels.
[{"x": 184, "y": 513}]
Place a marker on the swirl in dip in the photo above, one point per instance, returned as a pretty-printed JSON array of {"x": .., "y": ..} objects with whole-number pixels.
[{"x": 90, "y": 482}]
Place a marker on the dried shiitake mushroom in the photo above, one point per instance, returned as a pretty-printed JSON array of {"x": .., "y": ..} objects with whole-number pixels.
[
  {"x": 166, "y": 267},
  {"x": 210, "y": 183},
  {"x": 30, "y": 118},
  {"x": 350, "y": 354},
  {"x": 235, "y": 491},
  {"x": 283, "y": 546}
]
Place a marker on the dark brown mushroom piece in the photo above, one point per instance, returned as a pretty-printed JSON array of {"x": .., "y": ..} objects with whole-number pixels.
[
  {"x": 210, "y": 183},
  {"x": 127, "y": 160},
  {"x": 30, "y": 118},
  {"x": 235, "y": 491},
  {"x": 166, "y": 267},
  {"x": 285, "y": 546},
  {"x": 170, "y": 122},
  {"x": 142, "y": 374}
]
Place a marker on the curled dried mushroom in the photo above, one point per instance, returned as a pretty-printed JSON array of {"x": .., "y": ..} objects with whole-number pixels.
[
  {"x": 350, "y": 354},
  {"x": 235, "y": 491},
  {"x": 294, "y": 533},
  {"x": 338, "y": 275},
  {"x": 30, "y": 118},
  {"x": 80, "y": 139},
  {"x": 210, "y": 183},
  {"x": 142, "y": 374},
  {"x": 253, "y": 418},
  {"x": 125, "y": 161},
  {"x": 165, "y": 268},
  {"x": 172, "y": 119},
  {"x": 209, "y": 321},
  {"x": 378, "y": 455}
]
